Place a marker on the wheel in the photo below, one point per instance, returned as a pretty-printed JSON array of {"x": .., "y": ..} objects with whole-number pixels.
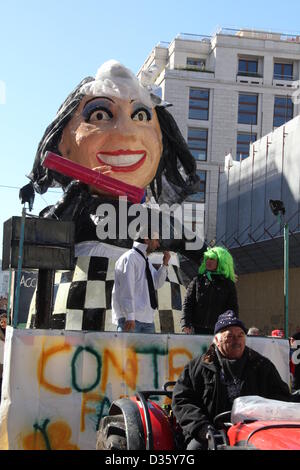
[{"x": 111, "y": 434}]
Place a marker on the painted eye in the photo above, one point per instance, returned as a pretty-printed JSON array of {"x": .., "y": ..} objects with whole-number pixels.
[
  {"x": 141, "y": 115},
  {"x": 100, "y": 115}
]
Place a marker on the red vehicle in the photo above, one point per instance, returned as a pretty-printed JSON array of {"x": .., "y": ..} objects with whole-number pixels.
[{"x": 137, "y": 423}]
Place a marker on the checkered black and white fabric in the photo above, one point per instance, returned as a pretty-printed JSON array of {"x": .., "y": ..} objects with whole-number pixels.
[{"x": 82, "y": 298}]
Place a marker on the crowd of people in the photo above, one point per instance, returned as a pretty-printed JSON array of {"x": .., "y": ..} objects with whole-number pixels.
[{"x": 209, "y": 383}]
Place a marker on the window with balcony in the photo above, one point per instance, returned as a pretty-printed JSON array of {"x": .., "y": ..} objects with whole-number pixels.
[
  {"x": 283, "y": 110},
  {"x": 243, "y": 145},
  {"x": 200, "y": 196},
  {"x": 197, "y": 143},
  {"x": 248, "y": 68},
  {"x": 283, "y": 71},
  {"x": 195, "y": 63},
  {"x": 247, "y": 113},
  {"x": 199, "y": 103}
]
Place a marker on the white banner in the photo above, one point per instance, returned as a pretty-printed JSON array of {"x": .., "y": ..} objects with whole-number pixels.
[{"x": 58, "y": 384}]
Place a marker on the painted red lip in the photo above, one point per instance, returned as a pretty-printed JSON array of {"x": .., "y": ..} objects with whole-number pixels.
[
  {"x": 123, "y": 152},
  {"x": 117, "y": 155}
]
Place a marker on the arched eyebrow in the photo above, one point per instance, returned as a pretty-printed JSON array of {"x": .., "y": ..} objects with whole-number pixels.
[
  {"x": 98, "y": 98},
  {"x": 139, "y": 105},
  {"x": 99, "y": 102}
]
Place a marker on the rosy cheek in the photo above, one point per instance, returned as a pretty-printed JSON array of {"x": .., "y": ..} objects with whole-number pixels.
[{"x": 90, "y": 136}]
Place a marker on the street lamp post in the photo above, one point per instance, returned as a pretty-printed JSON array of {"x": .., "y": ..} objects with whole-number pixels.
[
  {"x": 286, "y": 279},
  {"x": 278, "y": 209}
]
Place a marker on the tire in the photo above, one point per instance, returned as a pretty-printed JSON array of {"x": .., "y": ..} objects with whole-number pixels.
[{"x": 111, "y": 434}]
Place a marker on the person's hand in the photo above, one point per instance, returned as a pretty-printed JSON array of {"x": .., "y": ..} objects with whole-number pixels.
[
  {"x": 166, "y": 258},
  {"x": 104, "y": 169},
  {"x": 188, "y": 330},
  {"x": 205, "y": 430},
  {"x": 129, "y": 325}
]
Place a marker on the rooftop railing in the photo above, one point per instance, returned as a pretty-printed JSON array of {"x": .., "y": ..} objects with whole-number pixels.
[
  {"x": 194, "y": 37},
  {"x": 243, "y": 32},
  {"x": 259, "y": 34},
  {"x": 236, "y": 32},
  {"x": 163, "y": 44}
]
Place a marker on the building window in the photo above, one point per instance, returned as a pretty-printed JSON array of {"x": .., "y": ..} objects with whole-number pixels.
[
  {"x": 197, "y": 143},
  {"x": 200, "y": 196},
  {"x": 243, "y": 144},
  {"x": 199, "y": 104},
  {"x": 247, "y": 109},
  {"x": 283, "y": 110},
  {"x": 195, "y": 63},
  {"x": 283, "y": 71},
  {"x": 248, "y": 68}
]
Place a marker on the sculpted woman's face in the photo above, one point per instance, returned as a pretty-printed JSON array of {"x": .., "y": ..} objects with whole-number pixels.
[{"x": 118, "y": 137}]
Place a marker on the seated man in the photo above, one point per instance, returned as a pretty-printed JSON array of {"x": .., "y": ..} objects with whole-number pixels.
[{"x": 229, "y": 369}]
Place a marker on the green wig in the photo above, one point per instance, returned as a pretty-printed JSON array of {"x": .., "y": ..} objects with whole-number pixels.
[{"x": 225, "y": 262}]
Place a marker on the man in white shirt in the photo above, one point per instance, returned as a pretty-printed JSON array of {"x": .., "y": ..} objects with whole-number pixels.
[{"x": 133, "y": 299}]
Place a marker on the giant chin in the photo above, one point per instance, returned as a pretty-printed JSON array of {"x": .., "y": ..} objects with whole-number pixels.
[
  {"x": 140, "y": 178},
  {"x": 128, "y": 178}
]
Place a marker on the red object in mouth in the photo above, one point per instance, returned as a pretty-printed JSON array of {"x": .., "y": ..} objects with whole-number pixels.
[
  {"x": 117, "y": 153},
  {"x": 92, "y": 177}
]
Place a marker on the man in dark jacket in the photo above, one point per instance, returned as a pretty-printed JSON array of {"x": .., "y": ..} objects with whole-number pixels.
[
  {"x": 209, "y": 384},
  {"x": 210, "y": 293}
]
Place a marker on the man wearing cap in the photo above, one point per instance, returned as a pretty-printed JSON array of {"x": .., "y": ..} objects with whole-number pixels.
[{"x": 210, "y": 383}]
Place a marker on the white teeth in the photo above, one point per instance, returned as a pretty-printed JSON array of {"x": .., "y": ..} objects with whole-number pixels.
[{"x": 120, "y": 160}]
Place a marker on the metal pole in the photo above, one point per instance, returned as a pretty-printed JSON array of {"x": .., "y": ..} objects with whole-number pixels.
[
  {"x": 8, "y": 315},
  {"x": 286, "y": 280},
  {"x": 227, "y": 190},
  {"x": 20, "y": 262},
  {"x": 44, "y": 298}
]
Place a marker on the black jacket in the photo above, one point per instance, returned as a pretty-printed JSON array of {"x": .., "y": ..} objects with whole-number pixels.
[
  {"x": 199, "y": 395},
  {"x": 205, "y": 300}
]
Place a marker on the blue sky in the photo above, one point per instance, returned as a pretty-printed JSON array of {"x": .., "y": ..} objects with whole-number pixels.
[{"x": 47, "y": 47}]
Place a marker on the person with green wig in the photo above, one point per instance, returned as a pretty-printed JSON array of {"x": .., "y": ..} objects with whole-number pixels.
[{"x": 210, "y": 293}]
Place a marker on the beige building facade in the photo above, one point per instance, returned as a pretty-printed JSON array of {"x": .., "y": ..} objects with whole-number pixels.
[
  {"x": 261, "y": 300},
  {"x": 227, "y": 91}
]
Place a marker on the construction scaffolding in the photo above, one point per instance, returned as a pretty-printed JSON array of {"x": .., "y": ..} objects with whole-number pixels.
[{"x": 246, "y": 225}]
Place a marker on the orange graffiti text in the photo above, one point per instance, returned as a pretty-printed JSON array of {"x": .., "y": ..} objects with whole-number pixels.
[{"x": 44, "y": 358}]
